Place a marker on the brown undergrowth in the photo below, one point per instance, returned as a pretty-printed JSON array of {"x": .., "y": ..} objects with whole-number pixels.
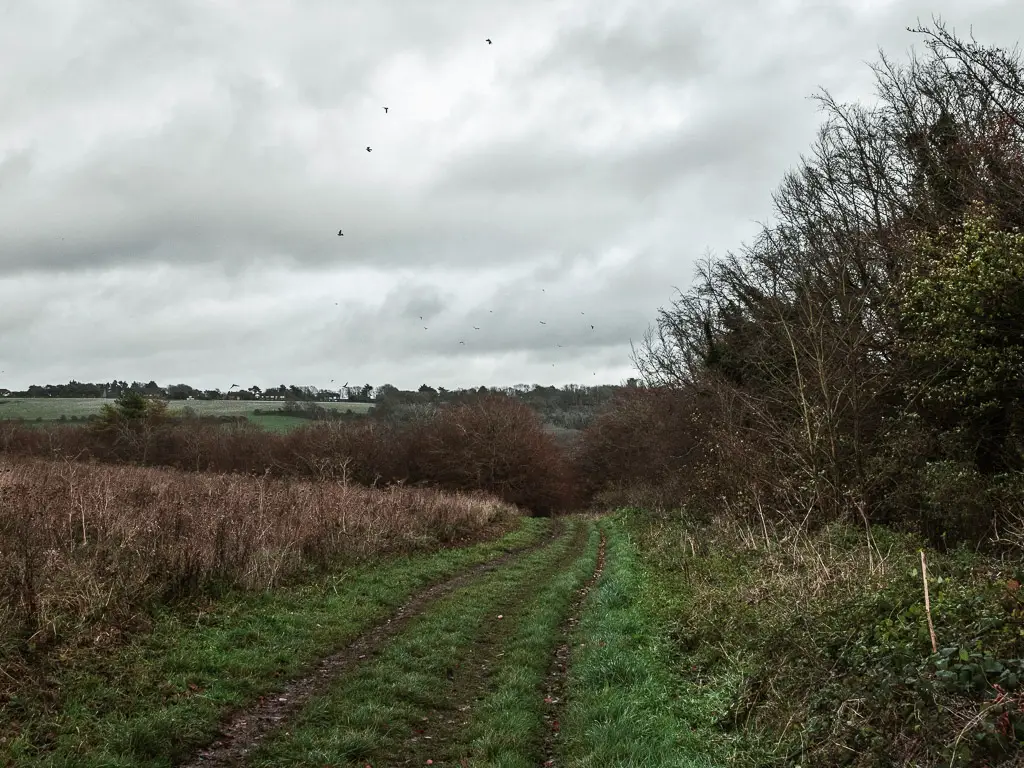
[
  {"x": 85, "y": 548},
  {"x": 828, "y": 629}
]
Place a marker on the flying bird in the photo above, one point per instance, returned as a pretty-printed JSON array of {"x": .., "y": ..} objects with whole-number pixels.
[
  {"x": 489, "y": 41},
  {"x": 591, "y": 327},
  {"x": 476, "y": 328},
  {"x": 462, "y": 342},
  {"x": 385, "y": 110},
  {"x": 232, "y": 387},
  {"x": 340, "y": 233},
  {"x": 369, "y": 150},
  {"x": 425, "y": 328},
  {"x": 542, "y": 322}
]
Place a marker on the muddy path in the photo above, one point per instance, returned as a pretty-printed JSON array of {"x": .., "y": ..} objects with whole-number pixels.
[
  {"x": 442, "y": 736},
  {"x": 558, "y": 673},
  {"x": 246, "y": 728}
]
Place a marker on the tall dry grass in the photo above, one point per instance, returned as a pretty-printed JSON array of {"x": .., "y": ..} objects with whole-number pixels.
[{"x": 86, "y": 546}]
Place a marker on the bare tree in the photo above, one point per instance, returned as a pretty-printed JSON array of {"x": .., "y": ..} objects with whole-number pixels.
[{"x": 799, "y": 338}]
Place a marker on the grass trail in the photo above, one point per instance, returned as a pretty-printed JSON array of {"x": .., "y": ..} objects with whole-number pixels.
[
  {"x": 627, "y": 704},
  {"x": 413, "y": 703},
  {"x": 509, "y": 727},
  {"x": 154, "y": 700}
]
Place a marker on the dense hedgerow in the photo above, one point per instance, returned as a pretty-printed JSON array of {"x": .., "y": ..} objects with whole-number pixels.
[{"x": 493, "y": 444}]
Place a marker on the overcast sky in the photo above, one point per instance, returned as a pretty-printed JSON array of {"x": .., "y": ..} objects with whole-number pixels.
[{"x": 173, "y": 176}]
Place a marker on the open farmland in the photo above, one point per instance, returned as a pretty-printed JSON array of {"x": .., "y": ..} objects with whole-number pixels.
[{"x": 52, "y": 409}]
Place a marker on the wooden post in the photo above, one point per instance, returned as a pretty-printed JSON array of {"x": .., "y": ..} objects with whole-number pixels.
[{"x": 927, "y": 603}]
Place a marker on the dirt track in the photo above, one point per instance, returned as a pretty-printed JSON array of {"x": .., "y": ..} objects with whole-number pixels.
[{"x": 244, "y": 731}]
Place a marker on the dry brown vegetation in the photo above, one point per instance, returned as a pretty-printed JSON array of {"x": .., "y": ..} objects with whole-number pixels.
[
  {"x": 645, "y": 450},
  {"x": 493, "y": 444},
  {"x": 84, "y": 547}
]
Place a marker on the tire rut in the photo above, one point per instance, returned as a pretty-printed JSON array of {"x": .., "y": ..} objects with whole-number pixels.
[
  {"x": 469, "y": 679},
  {"x": 558, "y": 673},
  {"x": 247, "y": 728}
]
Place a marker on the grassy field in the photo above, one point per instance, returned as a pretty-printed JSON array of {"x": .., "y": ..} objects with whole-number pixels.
[
  {"x": 51, "y": 409},
  {"x": 276, "y": 422},
  {"x": 48, "y": 410}
]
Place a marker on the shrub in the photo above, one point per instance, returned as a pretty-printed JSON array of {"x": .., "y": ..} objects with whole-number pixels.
[
  {"x": 646, "y": 449},
  {"x": 494, "y": 444},
  {"x": 827, "y": 629},
  {"x": 498, "y": 445}
]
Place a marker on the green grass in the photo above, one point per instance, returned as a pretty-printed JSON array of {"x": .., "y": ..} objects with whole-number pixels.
[
  {"x": 372, "y": 716},
  {"x": 52, "y": 409},
  {"x": 136, "y": 706},
  {"x": 273, "y": 422},
  {"x": 628, "y": 704},
  {"x": 507, "y": 726}
]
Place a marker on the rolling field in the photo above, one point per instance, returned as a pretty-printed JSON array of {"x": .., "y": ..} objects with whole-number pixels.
[
  {"x": 47, "y": 409},
  {"x": 51, "y": 409}
]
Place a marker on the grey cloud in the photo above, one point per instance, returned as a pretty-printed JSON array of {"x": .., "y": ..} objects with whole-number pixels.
[
  {"x": 652, "y": 44},
  {"x": 15, "y": 166},
  {"x": 520, "y": 167},
  {"x": 173, "y": 176},
  {"x": 412, "y": 301}
]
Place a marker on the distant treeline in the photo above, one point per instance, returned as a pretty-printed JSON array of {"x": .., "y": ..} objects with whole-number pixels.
[
  {"x": 114, "y": 389},
  {"x": 571, "y": 407}
]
